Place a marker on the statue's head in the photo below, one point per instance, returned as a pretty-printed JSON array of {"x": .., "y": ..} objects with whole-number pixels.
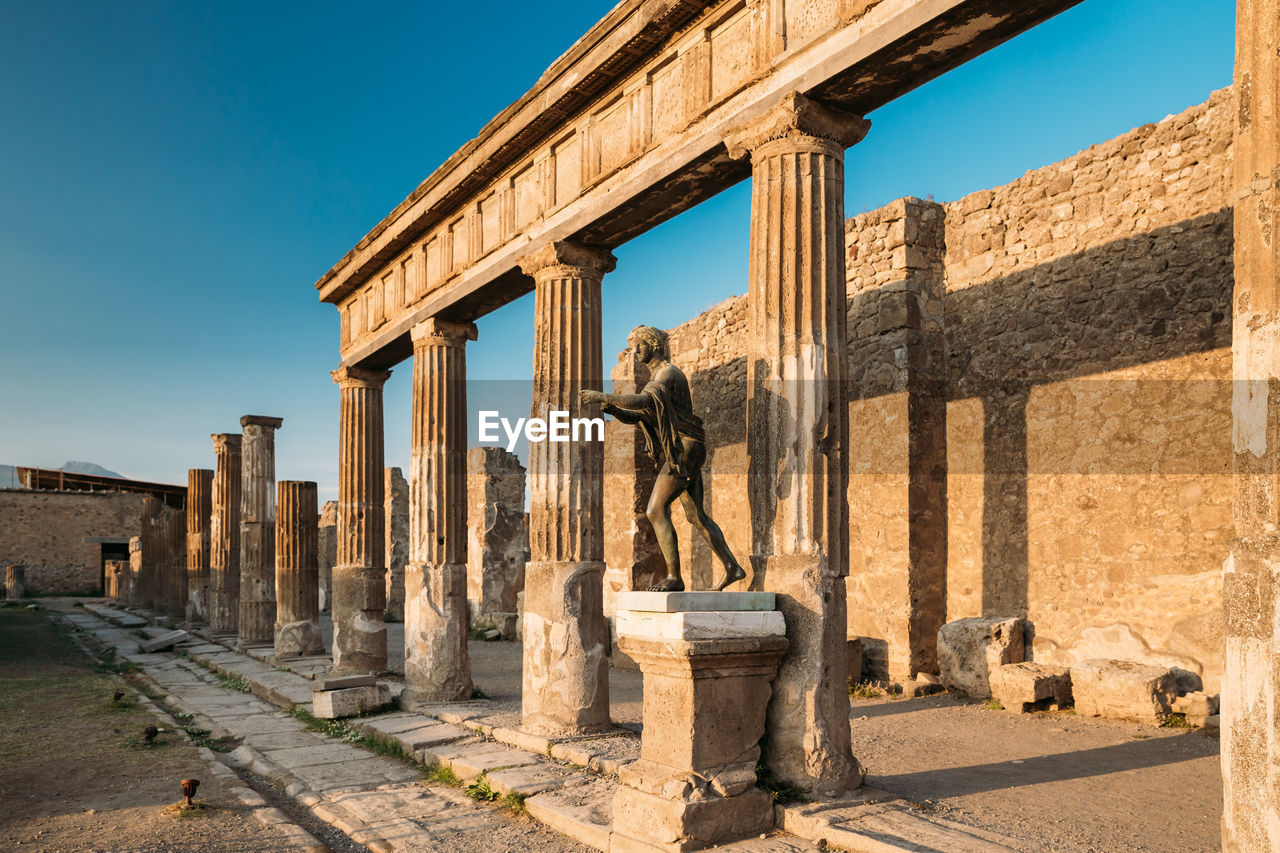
[{"x": 655, "y": 339}]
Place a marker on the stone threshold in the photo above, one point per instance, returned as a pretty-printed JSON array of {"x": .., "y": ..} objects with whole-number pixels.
[{"x": 566, "y": 785}]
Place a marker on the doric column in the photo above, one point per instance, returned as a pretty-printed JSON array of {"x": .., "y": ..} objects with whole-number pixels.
[
  {"x": 175, "y": 569},
  {"x": 797, "y": 425},
  {"x": 297, "y": 628},
  {"x": 224, "y": 536},
  {"x": 359, "y": 591},
  {"x": 565, "y": 670},
  {"x": 436, "y": 665},
  {"x": 258, "y": 530},
  {"x": 149, "y": 593},
  {"x": 199, "y": 508},
  {"x": 1250, "y": 593}
]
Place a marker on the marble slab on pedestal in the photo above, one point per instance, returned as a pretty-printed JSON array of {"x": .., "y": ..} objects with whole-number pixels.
[
  {"x": 675, "y": 602},
  {"x": 700, "y": 625}
]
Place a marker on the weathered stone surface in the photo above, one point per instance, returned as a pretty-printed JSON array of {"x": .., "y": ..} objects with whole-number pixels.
[
  {"x": 359, "y": 584},
  {"x": 969, "y": 650},
  {"x": 797, "y": 424},
  {"x": 436, "y": 664},
  {"x": 685, "y": 602},
  {"x": 396, "y": 511},
  {"x": 56, "y": 536},
  {"x": 297, "y": 625},
  {"x": 224, "y": 535},
  {"x": 257, "y": 530},
  {"x": 700, "y": 625},
  {"x": 565, "y": 684},
  {"x": 1123, "y": 690},
  {"x": 328, "y": 547},
  {"x": 1030, "y": 686},
  {"x": 15, "y": 587},
  {"x": 199, "y": 511},
  {"x": 349, "y": 701},
  {"x": 495, "y": 534}
]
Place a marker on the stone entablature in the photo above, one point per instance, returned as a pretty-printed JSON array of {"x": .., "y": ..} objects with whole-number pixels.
[{"x": 642, "y": 146}]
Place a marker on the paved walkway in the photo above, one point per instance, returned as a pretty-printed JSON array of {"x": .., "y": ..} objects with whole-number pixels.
[{"x": 567, "y": 785}]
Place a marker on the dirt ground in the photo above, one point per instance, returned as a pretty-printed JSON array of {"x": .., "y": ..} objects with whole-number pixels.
[
  {"x": 1052, "y": 781},
  {"x": 75, "y": 776}
]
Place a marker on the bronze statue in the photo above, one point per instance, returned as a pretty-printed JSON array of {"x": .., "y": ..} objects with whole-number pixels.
[{"x": 664, "y": 412}]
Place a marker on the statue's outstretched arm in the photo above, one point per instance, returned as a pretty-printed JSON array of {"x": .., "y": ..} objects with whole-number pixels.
[{"x": 638, "y": 404}]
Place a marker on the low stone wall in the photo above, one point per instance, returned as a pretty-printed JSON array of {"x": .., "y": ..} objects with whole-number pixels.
[
  {"x": 56, "y": 535},
  {"x": 1039, "y": 407}
]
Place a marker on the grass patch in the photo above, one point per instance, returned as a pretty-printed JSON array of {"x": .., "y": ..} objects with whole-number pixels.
[
  {"x": 341, "y": 730},
  {"x": 107, "y": 665},
  {"x": 514, "y": 803},
  {"x": 441, "y": 775},
  {"x": 477, "y": 693},
  {"x": 1176, "y": 721},
  {"x": 782, "y": 792},
  {"x": 864, "y": 690},
  {"x": 1141, "y": 737},
  {"x": 181, "y": 811},
  {"x": 200, "y": 737},
  {"x": 993, "y": 704},
  {"x": 182, "y": 716},
  {"x": 481, "y": 791},
  {"x": 232, "y": 682}
]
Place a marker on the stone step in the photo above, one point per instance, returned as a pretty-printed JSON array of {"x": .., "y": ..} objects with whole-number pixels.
[
  {"x": 874, "y": 821},
  {"x": 584, "y": 813}
]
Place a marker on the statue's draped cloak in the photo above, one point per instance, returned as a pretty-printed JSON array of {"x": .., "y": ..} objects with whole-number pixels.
[{"x": 670, "y": 419}]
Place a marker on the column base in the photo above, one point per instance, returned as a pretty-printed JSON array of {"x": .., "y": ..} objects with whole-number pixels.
[
  {"x": 359, "y": 626},
  {"x": 436, "y": 664},
  {"x": 257, "y": 623},
  {"x": 565, "y": 677},
  {"x": 298, "y": 639},
  {"x": 645, "y": 822}
]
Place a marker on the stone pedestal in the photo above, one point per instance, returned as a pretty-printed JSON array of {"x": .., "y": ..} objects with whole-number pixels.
[
  {"x": 707, "y": 675},
  {"x": 258, "y": 531},
  {"x": 359, "y": 576},
  {"x": 224, "y": 536},
  {"x": 199, "y": 508},
  {"x": 436, "y": 665},
  {"x": 297, "y": 628},
  {"x": 565, "y": 674},
  {"x": 797, "y": 425},
  {"x": 347, "y": 696}
]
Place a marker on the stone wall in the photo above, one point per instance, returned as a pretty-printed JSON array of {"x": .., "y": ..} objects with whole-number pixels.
[
  {"x": 1039, "y": 407},
  {"x": 47, "y": 531},
  {"x": 1088, "y": 321}
]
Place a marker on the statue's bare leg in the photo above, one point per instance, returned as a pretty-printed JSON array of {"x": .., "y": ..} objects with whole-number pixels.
[
  {"x": 693, "y": 510},
  {"x": 666, "y": 488}
]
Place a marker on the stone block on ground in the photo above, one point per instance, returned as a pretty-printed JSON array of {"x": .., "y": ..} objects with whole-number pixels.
[
  {"x": 1197, "y": 707},
  {"x": 1027, "y": 687},
  {"x": 164, "y": 642},
  {"x": 349, "y": 701},
  {"x": 969, "y": 650},
  {"x": 1124, "y": 690}
]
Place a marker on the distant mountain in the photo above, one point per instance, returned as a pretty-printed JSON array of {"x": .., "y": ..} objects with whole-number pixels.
[
  {"x": 88, "y": 468},
  {"x": 9, "y": 473}
]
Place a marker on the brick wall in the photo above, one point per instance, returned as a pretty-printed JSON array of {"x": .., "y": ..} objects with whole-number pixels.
[{"x": 46, "y": 532}]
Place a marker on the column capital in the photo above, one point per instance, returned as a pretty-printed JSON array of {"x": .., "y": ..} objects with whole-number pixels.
[
  {"x": 796, "y": 117},
  {"x": 354, "y": 377},
  {"x": 223, "y": 441},
  {"x": 262, "y": 421},
  {"x": 581, "y": 260},
  {"x": 436, "y": 332}
]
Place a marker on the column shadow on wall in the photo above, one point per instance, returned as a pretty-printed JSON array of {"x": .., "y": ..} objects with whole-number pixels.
[{"x": 1149, "y": 297}]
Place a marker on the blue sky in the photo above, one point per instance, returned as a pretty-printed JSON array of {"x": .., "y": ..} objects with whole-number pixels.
[{"x": 174, "y": 177}]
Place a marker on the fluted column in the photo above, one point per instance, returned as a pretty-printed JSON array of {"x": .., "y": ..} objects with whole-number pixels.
[
  {"x": 1250, "y": 591},
  {"x": 565, "y": 670},
  {"x": 224, "y": 536},
  {"x": 359, "y": 585},
  {"x": 436, "y": 665},
  {"x": 199, "y": 508},
  {"x": 175, "y": 569},
  {"x": 797, "y": 423},
  {"x": 258, "y": 530},
  {"x": 149, "y": 592},
  {"x": 297, "y": 628}
]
